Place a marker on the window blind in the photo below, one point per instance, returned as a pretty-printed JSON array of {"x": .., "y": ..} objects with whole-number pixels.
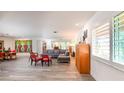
[{"x": 101, "y": 41}]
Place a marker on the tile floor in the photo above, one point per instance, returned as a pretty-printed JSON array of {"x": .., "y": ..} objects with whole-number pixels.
[{"x": 21, "y": 70}]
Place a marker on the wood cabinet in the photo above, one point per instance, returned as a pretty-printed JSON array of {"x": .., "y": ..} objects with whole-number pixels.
[{"x": 83, "y": 58}]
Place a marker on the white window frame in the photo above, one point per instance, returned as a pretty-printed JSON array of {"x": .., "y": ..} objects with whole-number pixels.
[{"x": 110, "y": 62}]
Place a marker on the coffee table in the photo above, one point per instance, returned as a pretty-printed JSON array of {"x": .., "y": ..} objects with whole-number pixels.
[{"x": 63, "y": 59}]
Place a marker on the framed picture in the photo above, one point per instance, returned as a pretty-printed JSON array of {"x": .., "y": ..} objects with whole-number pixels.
[{"x": 23, "y": 46}]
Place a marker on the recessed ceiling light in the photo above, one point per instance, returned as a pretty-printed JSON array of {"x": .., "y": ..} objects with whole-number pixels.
[
  {"x": 77, "y": 24},
  {"x": 54, "y": 31}
]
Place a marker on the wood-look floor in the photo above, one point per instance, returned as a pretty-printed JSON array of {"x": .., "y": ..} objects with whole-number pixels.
[{"x": 21, "y": 70}]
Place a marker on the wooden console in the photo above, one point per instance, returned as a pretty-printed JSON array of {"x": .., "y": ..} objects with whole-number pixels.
[{"x": 83, "y": 58}]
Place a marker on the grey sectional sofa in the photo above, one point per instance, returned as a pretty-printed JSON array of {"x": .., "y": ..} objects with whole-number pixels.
[{"x": 54, "y": 53}]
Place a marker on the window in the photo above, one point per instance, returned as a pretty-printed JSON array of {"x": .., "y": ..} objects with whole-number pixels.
[
  {"x": 101, "y": 41},
  {"x": 118, "y": 38}
]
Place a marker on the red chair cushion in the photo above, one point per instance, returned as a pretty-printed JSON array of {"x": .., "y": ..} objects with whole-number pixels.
[
  {"x": 13, "y": 51},
  {"x": 38, "y": 58},
  {"x": 46, "y": 58}
]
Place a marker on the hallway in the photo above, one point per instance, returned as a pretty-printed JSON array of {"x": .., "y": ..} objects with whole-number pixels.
[{"x": 21, "y": 70}]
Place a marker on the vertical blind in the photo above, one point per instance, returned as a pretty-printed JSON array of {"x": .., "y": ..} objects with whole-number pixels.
[{"x": 101, "y": 41}]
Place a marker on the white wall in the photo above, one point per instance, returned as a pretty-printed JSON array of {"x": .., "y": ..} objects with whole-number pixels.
[
  {"x": 39, "y": 45},
  {"x": 34, "y": 45},
  {"x": 8, "y": 42},
  {"x": 100, "y": 69}
]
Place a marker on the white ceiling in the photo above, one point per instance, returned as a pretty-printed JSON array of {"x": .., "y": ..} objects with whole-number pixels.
[{"x": 43, "y": 24}]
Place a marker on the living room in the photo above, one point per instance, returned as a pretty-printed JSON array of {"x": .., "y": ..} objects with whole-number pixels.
[
  {"x": 80, "y": 46},
  {"x": 61, "y": 46},
  {"x": 52, "y": 34}
]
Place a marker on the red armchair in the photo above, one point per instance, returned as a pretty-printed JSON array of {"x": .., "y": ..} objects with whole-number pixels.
[
  {"x": 47, "y": 59},
  {"x": 2, "y": 55},
  {"x": 35, "y": 58},
  {"x": 32, "y": 53}
]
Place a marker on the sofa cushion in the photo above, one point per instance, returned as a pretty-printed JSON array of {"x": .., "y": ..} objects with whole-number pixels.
[
  {"x": 49, "y": 51},
  {"x": 56, "y": 52}
]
